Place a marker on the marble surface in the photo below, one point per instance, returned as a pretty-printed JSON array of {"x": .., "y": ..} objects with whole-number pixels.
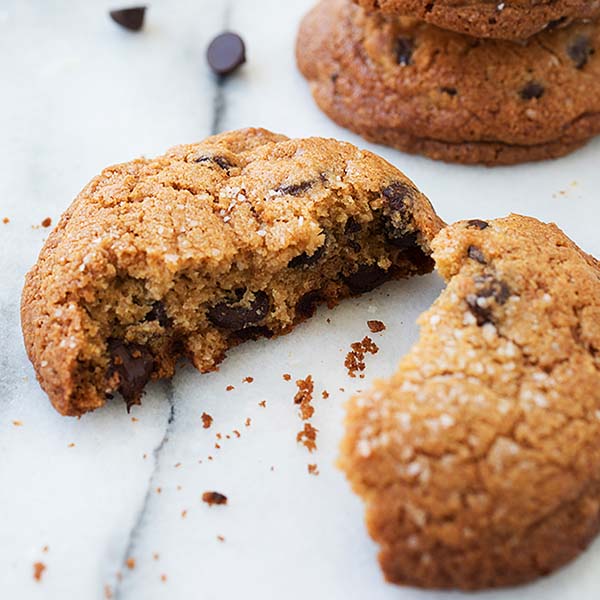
[{"x": 83, "y": 496}]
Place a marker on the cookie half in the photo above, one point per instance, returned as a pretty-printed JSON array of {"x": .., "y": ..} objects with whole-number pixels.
[
  {"x": 193, "y": 252},
  {"x": 479, "y": 460},
  {"x": 403, "y": 83},
  {"x": 510, "y": 19}
]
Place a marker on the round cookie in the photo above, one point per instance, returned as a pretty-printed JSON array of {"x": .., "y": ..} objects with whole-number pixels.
[
  {"x": 479, "y": 460},
  {"x": 206, "y": 246},
  {"x": 404, "y": 83},
  {"x": 508, "y": 19}
]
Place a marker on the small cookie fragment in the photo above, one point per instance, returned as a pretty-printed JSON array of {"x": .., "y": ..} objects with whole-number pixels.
[
  {"x": 478, "y": 458},
  {"x": 212, "y": 498},
  {"x": 376, "y": 326}
]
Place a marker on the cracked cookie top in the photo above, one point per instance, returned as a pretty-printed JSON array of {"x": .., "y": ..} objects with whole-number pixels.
[
  {"x": 480, "y": 458},
  {"x": 507, "y": 19}
]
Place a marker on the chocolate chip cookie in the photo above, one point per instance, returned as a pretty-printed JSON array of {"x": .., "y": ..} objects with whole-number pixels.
[
  {"x": 508, "y": 19},
  {"x": 479, "y": 460},
  {"x": 404, "y": 83},
  {"x": 193, "y": 252}
]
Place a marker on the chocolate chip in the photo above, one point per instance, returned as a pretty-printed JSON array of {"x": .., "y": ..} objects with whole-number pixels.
[
  {"x": 234, "y": 315},
  {"x": 308, "y": 303},
  {"x": 129, "y": 18},
  {"x": 352, "y": 226},
  {"x": 404, "y": 50},
  {"x": 252, "y": 333},
  {"x": 399, "y": 198},
  {"x": 134, "y": 365},
  {"x": 218, "y": 160},
  {"x": 366, "y": 278},
  {"x": 556, "y": 23},
  {"x": 476, "y": 254},
  {"x": 397, "y": 194},
  {"x": 489, "y": 291},
  {"x": 295, "y": 189},
  {"x": 451, "y": 91},
  {"x": 159, "y": 313},
  {"x": 226, "y": 53},
  {"x": 580, "y": 51},
  {"x": 307, "y": 260},
  {"x": 477, "y": 224},
  {"x": 532, "y": 90},
  {"x": 354, "y": 245}
]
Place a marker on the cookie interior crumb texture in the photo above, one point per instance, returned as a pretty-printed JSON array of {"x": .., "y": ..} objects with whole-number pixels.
[
  {"x": 479, "y": 459},
  {"x": 404, "y": 83},
  {"x": 211, "y": 244}
]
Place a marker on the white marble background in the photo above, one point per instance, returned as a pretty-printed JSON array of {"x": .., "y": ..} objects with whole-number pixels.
[{"x": 78, "y": 93}]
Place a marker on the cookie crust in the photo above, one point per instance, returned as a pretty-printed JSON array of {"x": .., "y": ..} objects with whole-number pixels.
[
  {"x": 479, "y": 459},
  {"x": 211, "y": 244},
  {"x": 510, "y": 20},
  {"x": 406, "y": 84}
]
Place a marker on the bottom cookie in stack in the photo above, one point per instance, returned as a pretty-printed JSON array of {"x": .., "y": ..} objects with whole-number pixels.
[{"x": 404, "y": 83}]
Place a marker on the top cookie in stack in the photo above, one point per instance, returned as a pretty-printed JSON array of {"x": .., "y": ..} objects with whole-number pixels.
[
  {"x": 399, "y": 80},
  {"x": 507, "y": 20}
]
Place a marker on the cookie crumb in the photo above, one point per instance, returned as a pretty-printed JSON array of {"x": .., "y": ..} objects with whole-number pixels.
[
  {"x": 130, "y": 562},
  {"x": 158, "y": 490},
  {"x": 212, "y": 498},
  {"x": 183, "y": 514},
  {"x": 307, "y": 437},
  {"x": 248, "y": 380},
  {"x": 108, "y": 594},
  {"x": 18, "y": 423},
  {"x": 287, "y": 376},
  {"x": 221, "y": 538},
  {"x": 134, "y": 419},
  {"x": 237, "y": 433},
  {"x": 355, "y": 359},
  {"x": 304, "y": 397},
  {"x": 313, "y": 470},
  {"x": 38, "y": 570},
  {"x": 45, "y": 549},
  {"x": 262, "y": 403},
  {"x": 6, "y": 220},
  {"x": 229, "y": 388},
  {"x": 71, "y": 445},
  {"x": 47, "y": 222},
  {"x": 248, "y": 422},
  {"x": 163, "y": 578},
  {"x": 207, "y": 420},
  {"x": 376, "y": 326},
  {"x": 155, "y": 555},
  {"x": 325, "y": 394}
]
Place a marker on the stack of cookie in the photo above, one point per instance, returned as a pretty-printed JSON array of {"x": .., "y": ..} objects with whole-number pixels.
[{"x": 502, "y": 83}]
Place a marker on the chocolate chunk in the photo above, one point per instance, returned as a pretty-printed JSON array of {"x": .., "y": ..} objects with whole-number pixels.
[
  {"x": 399, "y": 198},
  {"x": 159, "y": 313},
  {"x": 352, "y": 226},
  {"x": 214, "y": 498},
  {"x": 218, "y": 160},
  {"x": 366, "y": 278},
  {"x": 489, "y": 291},
  {"x": 308, "y": 303},
  {"x": 226, "y": 53},
  {"x": 476, "y": 254},
  {"x": 477, "y": 224},
  {"x": 404, "y": 50},
  {"x": 134, "y": 365},
  {"x": 252, "y": 333},
  {"x": 295, "y": 189},
  {"x": 234, "y": 316},
  {"x": 354, "y": 245},
  {"x": 129, "y": 18},
  {"x": 580, "y": 51},
  {"x": 532, "y": 90},
  {"x": 451, "y": 91},
  {"x": 307, "y": 260},
  {"x": 556, "y": 23},
  {"x": 397, "y": 194}
]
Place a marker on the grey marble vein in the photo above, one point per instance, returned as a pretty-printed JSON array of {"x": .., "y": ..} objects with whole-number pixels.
[{"x": 141, "y": 518}]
